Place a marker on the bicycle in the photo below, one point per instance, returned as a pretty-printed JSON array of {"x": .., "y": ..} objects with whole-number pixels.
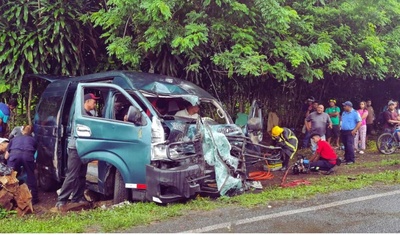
[{"x": 388, "y": 143}]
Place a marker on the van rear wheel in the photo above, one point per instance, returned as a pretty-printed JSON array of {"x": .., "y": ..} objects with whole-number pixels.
[
  {"x": 120, "y": 192},
  {"x": 46, "y": 183}
]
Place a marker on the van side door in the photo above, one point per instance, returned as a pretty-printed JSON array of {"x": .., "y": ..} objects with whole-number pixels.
[{"x": 122, "y": 144}]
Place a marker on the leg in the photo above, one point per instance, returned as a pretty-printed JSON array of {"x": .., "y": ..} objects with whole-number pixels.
[
  {"x": 363, "y": 136},
  {"x": 344, "y": 141},
  {"x": 321, "y": 165},
  {"x": 306, "y": 139},
  {"x": 285, "y": 159},
  {"x": 356, "y": 138},
  {"x": 81, "y": 185},
  {"x": 71, "y": 181},
  {"x": 349, "y": 147},
  {"x": 29, "y": 167}
]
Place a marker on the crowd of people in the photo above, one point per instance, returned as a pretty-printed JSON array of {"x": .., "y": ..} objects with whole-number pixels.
[{"x": 324, "y": 130}]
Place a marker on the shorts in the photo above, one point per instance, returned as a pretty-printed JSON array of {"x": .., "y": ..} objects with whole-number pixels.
[{"x": 334, "y": 132}]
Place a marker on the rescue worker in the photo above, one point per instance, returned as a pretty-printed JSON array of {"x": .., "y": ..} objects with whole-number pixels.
[{"x": 285, "y": 138}]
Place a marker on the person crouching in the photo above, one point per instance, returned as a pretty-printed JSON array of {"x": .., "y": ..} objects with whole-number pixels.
[
  {"x": 20, "y": 153},
  {"x": 324, "y": 157}
]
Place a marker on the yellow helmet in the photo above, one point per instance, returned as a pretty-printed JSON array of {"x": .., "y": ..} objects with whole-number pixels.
[{"x": 276, "y": 131}]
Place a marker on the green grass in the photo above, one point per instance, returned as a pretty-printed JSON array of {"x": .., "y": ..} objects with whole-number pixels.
[{"x": 128, "y": 216}]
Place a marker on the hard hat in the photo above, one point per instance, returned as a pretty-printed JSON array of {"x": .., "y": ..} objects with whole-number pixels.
[{"x": 277, "y": 130}]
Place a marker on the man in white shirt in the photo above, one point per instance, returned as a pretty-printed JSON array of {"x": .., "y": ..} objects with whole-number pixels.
[{"x": 190, "y": 112}]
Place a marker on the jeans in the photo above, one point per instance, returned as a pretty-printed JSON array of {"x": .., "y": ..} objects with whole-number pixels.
[
  {"x": 25, "y": 160},
  {"x": 348, "y": 142},
  {"x": 306, "y": 139}
]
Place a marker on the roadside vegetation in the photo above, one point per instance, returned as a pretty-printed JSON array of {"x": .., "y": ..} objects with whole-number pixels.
[{"x": 134, "y": 214}]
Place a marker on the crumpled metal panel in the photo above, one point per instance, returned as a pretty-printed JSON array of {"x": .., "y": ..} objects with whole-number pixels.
[{"x": 216, "y": 150}]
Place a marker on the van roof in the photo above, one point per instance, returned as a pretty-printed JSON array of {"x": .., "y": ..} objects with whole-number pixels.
[{"x": 147, "y": 82}]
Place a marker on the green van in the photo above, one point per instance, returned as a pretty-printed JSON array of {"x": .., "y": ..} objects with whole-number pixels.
[{"x": 135, "y": 146}]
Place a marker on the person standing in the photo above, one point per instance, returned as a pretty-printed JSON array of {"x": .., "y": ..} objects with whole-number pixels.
[
  {"x": 309, "y": 106},
  {"x": 75, "y": 180},
  {"x": 20, "y": 153},
  {"x": 334, "y": 113},
  {"x": 351, "y": 121},
  {"x": 316, "y": 124},
  {"x": 285, "y": 138},
  {"x": 5, "y": 111},
  {"x": 361, "y": 135},
  {"x": 370, "y": 117}
]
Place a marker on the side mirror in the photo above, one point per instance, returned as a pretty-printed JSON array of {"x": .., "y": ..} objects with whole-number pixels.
[{"x": 136, "y": 117}]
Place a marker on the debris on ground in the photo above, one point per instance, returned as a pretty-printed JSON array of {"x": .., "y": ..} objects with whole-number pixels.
[{"x": 14, "y": 196}]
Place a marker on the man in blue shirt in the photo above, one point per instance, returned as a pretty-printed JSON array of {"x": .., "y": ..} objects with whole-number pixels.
[
  {"x": 351, "y": 121},
  {"x": 5, "y": 110}
]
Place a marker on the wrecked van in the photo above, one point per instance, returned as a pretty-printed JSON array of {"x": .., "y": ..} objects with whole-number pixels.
[{"x": 135, "y": 146}]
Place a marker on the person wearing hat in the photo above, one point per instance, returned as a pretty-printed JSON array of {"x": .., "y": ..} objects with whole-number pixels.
[
  {"x": 325, "y": 157},
  {"x": 390, "y": 117},
  {"x": 285, "y": 138},
  {"x": 334, "y": 113},
  {"x": 5, "y": 111},
  {"x": 75, "y": 180},
  {"x": 351, "y": 122}
]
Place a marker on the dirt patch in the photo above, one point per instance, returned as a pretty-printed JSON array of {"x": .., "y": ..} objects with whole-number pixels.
[{"x": 48, "y": 199}]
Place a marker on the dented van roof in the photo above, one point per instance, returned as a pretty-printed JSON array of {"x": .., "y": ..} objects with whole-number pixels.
[{"x": 146, "y": 82}]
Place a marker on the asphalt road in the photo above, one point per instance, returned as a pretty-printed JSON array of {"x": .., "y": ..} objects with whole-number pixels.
[{"x": 370, "y": 210}]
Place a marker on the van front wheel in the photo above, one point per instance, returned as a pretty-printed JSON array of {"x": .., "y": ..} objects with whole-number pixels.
[{"x": 120, "y": 192}]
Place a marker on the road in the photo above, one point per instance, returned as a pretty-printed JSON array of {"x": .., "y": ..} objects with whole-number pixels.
[{"x": 370, "y": 210}]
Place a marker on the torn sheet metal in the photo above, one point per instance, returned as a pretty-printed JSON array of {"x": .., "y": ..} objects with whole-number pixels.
[{"x": 216, "y": 150}]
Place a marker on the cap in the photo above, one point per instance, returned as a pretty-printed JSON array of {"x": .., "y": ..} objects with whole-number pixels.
[
  {"x": 348, "y": 103},
  {"x": 4, "y": 140},
  {"x": 276, "y": 130},
  {"x": 311, "y": 99},
  {"x": 391, "y": 102},
  {"x": 332, "y": 100},
  {"x": 90, "y": 96}
]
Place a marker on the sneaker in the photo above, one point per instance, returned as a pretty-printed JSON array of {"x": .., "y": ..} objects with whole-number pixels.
[
  {"x": 283, "y": 168},
  {"x": 256, "y": 185},
  {"x": 332, "y": 170},
  {"x": 349, "y": 163},
  {"x": 361, "y": 152},
  {"x": 58, "y": 207}
]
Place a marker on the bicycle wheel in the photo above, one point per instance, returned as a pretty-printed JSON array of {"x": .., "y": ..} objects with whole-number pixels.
[{"x": 386, "y": 143}]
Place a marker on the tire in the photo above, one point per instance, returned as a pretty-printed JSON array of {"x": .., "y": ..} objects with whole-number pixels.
[
  {"x": 46, "y": 183},
  {"x": 386, "y": 143},
  {"x": 120, "y": 192}
]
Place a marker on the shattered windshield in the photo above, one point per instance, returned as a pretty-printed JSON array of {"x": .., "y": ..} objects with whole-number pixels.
[{"x": 170, "y": 107}]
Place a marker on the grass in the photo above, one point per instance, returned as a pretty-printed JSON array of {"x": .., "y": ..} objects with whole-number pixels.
[{"x": 127, "y": 216}]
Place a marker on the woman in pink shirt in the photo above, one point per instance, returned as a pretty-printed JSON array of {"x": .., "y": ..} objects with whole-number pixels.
[{"x": 362, "y": 131}]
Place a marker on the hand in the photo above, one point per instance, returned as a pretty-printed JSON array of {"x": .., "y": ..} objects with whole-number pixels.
[
  {"x": 330, "y": 126},
  {"x": 353, "y": 132}
]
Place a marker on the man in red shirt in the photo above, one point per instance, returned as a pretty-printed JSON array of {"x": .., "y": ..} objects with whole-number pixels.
[{"x": 325, "y": 157}]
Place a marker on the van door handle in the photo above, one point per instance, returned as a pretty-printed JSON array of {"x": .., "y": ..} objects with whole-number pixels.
[{"x": 83, "y": 131}]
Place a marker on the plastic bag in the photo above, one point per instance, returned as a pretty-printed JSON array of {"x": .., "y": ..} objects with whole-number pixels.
[{"x": 4, "y": 169}]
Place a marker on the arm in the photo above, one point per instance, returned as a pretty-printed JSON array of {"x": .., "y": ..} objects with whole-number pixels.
[
  {"x": 6, "y": 155},
  {"x": 315, "y": 157},
  {"x": 365, "y": 115},
  {"x": 354, "y": 131}
]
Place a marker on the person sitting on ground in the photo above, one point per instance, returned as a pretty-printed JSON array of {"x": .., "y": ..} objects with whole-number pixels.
[
  {"x": 285, "y": 138},
  {"x": 324, "y": 157},
  {"x": 191, "y": 111},
  {"x": 20, "y": 153}
]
